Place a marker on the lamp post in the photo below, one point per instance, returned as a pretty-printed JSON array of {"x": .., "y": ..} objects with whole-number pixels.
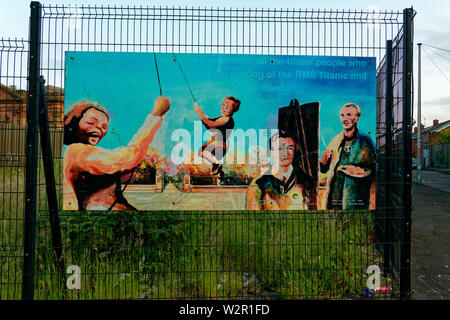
[{"x": 419, "y": 120}]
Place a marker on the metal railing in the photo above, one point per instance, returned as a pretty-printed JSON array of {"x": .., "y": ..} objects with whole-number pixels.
[{"x": 207, "y": 255}]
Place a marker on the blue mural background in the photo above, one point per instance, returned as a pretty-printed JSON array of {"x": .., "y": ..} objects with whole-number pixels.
[{"x": 127, "y": 85}]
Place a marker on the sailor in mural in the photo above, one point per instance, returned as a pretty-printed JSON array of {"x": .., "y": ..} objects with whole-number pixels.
[
  {"x": 91, "y": 175},
  {"x": 283, "y": 186},
  {"x": 349, "y": 159}
]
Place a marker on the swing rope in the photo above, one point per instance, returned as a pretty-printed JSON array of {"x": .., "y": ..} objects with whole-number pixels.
[
  {"x": 184, "y": 76},
  {"x": 157, "y": 74}
]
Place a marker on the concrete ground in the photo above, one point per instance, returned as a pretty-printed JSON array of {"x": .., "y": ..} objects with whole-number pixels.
[
  {"x": 439, "y": 179},
  {"x": 430, "y": 237}
]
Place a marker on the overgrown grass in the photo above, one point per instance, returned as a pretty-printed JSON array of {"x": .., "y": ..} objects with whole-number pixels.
[
  {"x": 204, "y": 255},
  {"x": 195, "y": 255},
  {"x": 11, "y": 231}
]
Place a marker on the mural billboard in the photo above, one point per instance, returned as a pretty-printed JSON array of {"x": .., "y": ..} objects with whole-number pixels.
[{"x": 164, "y": 131}]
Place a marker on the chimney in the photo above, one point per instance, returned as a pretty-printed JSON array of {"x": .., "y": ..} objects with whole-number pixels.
[
  {"x": 415, "y": 129},
  {"x": 422, "y": 127},
  {"x": 435, "y": 122}
]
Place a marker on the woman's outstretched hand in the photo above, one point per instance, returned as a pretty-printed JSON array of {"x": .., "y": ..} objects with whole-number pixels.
[{"x": 162, "y": 105}]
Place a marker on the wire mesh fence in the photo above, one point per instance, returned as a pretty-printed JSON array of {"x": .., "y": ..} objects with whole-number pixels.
[
  {"x": 204, "y": 255},
  {"x": 13, "y": 62},
  {"x": 394, "y": 126},
  {"x": 200, "y": 255}
]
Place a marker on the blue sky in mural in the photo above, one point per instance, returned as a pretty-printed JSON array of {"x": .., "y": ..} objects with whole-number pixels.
[{"x": 126, "y": 84}]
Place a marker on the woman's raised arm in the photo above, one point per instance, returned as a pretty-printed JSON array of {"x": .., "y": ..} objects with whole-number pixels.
[{"x": 96, "y": 160}]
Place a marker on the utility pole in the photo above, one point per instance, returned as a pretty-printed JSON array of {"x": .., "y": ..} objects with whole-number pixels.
[{"x": 419, "y": 120}]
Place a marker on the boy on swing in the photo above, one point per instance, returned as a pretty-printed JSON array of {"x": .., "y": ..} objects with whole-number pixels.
[{"x": 220, "y": 129}]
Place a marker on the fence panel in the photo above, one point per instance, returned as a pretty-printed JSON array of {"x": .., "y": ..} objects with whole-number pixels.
[
  {"x": 394, "y": 121},
  {"x": 440, "y": 155},
  {"x": 13, "y": 79},
  {"x": 209, "y": 255}
]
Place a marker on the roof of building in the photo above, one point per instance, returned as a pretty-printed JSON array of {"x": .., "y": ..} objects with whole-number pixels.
[
  {"x": 15, "y": 94},
  {"x": 53, "y": 93},
  {"x": 439, "y": 127}
]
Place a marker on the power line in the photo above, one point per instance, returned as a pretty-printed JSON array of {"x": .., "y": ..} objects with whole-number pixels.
[
  {"x": 426, "y": 51},
  {"x": 445, "y": 58},
  {"x": 436, "y": 47},
  {"x": 441, "y": 56}
]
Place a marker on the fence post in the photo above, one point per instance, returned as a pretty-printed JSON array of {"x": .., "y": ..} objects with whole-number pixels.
[
  {"x": 32, "y": 151},
  {"x": 405, "y": 251},
  {"x": 50, "y": 183},
  {"x": 388, "y": 239}
]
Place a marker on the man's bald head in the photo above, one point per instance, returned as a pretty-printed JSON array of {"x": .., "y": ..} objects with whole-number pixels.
[{"x": 349, "y": 116}]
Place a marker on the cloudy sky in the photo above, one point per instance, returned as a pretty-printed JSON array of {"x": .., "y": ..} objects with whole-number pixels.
[{"x": 431, "y": 27}]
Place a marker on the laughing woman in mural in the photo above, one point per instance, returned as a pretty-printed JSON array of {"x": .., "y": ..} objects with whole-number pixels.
[
  {"x": 92, "y": 174},
  {"x": 220, "y": 129}
]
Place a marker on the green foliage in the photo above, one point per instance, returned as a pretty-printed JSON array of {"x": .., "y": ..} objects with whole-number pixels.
[
  {"x": 144, "y": 174},
  {"x": 234, "y": 178},
  {"x": 441, "y": 156},
  {"x": 444, "y": 137},
  {"x": 198, "y": 255}
]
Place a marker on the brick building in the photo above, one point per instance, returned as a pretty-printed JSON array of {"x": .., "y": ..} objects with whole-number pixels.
[
  {"x": 429, "y": 137},
  {"x": 13, "y": 104},
  {"x": 13, "y": 123}
]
